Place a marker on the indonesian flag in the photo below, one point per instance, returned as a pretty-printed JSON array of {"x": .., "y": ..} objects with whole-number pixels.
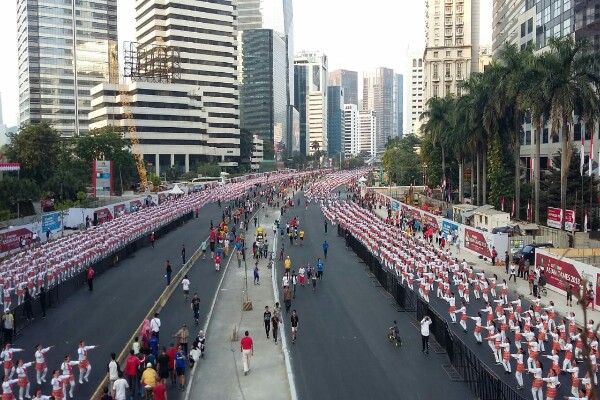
[
  {"x": 585, "y": 220},
  {"x": 512, "y": 213},
  {"x": 502, "y": 202},
  {"x": 582, "y": 154},
  {"x": 591, "y": 154},
  {"x": 528, "y": 210}
]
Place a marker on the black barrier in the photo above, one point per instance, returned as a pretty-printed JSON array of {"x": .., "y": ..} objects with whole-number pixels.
[
  {"x": 58, "y": 293},
  {"x": 482, "y": 381}
]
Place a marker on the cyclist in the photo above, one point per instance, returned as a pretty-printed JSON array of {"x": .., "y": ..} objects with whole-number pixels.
[{"x": 395, "y": 332}]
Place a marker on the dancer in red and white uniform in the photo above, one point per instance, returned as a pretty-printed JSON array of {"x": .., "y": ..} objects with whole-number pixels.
[
  {"x": 7, "y": 393},
  {"x": 58, "y": 382},
  {"x": 41, "y": 369},
  {"x": 7, "y": 359},
  {"x": 23, "y": 383},
  {"x": 84, "y": 364},
  {"x": 67, "y": 370}
]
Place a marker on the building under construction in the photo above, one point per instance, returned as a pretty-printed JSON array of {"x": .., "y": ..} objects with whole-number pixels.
[{"x": 155, "y": 62}]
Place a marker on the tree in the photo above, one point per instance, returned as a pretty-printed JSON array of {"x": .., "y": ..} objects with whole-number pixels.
[
  {"x": 438, "y": 124},
  {"x": 268, "y": 150},
  {"x": 246, "y": 145},
  {"x": 401, "y": 162},
  {"x": 14, "y": 190},
  {"x": 38, "y": 149},
  {"x": 315, "y": 146}
]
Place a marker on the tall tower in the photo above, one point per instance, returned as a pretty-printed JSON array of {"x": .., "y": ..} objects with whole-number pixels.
[
  {"x": 65, "y": 49},
  {"x": 378, "y": 96},
  {"x": 348, "y": 80},
  {"x": 335, "y": 120},
  {"x": 451, "y": 45},
  {"x": 414, "y": 99},
  {"x": 399, "y": 104}
]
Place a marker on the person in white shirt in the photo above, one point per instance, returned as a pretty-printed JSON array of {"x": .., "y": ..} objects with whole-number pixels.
[
  {"x": 120, "y": 387},
  {"x": 68, "y": 378},
  {"x": 23, "y": 383},
  {"x": 155, "y": 325},
  {"x": 84, "y": 364},
  {"x": 185, "y": 283},
  {"x": 425, "y": 322},
  {"x": 41, "y": 369},
  {"x": 113, "y": 371}
]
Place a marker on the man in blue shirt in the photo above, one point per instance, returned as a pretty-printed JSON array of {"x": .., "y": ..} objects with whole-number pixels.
[
  {"x": 325, "y": 247},
  {"x": 180, "y": 367}
]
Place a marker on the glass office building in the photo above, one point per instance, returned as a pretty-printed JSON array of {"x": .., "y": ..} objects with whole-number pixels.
[
  {"x": 263, "y": 79},
  {"x": 335, "y": 120},
  {"x": 65, "y": 48}
]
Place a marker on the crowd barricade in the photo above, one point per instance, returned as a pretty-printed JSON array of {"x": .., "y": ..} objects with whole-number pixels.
[
  {"x": 60, "y": 292},
  {"x": 483, "y": 382}
]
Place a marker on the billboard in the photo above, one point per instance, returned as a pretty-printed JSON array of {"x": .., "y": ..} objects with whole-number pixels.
[
  {"x": 102, "y": 178},
  {"x": 448, "y": 226},
  {"x": 554, "y": 219},
  {"x": 476, "y": 241},
  {"x": 50, "y": 222},
  {"x": 569, "y": 220},
  {"x": 10, "y": 240}
]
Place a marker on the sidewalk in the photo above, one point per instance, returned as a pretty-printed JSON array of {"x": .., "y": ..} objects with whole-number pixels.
[
  {"x": 521, "y": 286},
  {"x": 220, "y": 374}
]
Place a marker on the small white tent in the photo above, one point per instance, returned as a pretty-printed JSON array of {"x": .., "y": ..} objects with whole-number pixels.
[{"x": 176, "y": 190}]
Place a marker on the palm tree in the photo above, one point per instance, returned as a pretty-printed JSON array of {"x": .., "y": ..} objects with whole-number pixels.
[
  {"x": 438, "y": 123},
  {"x": 315, "y": 145},
  {"x": 571, "y": 89},
  {"x": 461, "y": 129}
]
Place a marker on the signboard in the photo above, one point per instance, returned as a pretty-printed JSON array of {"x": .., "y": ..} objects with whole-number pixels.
[
  {"x": 448, "y": 226},
  {"x": 395, "y": 205},
  {"x": 135, "y": 205},
  {"x": 50, "y": 222},
  {"x": 162, "y": 198},
  {"x": 554, "y": 219},
  {"x": 475, "y": 241},
  {"x": 10, "y": 240},
  {"x": 569, "y": 220},
  {"x": 119, "y": 208},
  {"x": 431, "y": 221},
  {"x": 102, "y": 178},
  {"x": 47, "y": 205},
  {"x": 102, "y": 215}
]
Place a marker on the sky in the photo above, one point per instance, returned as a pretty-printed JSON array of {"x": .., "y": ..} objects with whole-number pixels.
[{"x": 354, "y": 35}]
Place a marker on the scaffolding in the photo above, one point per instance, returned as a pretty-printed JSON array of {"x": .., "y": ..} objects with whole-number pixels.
[{"x": 155, "y": 62}]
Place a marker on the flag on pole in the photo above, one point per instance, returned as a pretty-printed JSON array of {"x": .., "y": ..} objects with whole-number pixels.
[
  {"x": 582, "y": 155},
  {"x": 591, "y": 154},
  {"x": 529, "y": 210},
  {"x": 502, "y": 202},
  {"x": 585, "y": 220},
  {"x": 512, "y": 213}
]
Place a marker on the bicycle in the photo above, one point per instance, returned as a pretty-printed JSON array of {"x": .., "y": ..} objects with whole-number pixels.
[{"x": 394, "y": 338}]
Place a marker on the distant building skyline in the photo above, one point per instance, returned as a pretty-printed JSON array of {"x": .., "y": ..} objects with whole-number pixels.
[
  {"x": 378, "y": 96},
  {"x": 348, "y": 80},
  {"x": 367, "y": 132},
  {"x": 351, "y": 131},
  {"x": 399, "y": 104},
  {"x": 335, "y": 120},
  {"x": 414, "y": 94}
]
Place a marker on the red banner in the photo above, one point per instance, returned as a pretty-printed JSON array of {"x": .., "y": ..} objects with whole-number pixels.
[
  {"x": 103, "y": 215},
  {"x": 430, "y": 220},
  {"x": 554, "y": 218},
  {"x": 475, "y": 241},
  {"x": 569, "y": 220},
  {"x": 11, "y": 240},
  {"x": 162, "y": 198},
  {"x": 559, "y": 273},
  {"x": 119, "y": 208}
]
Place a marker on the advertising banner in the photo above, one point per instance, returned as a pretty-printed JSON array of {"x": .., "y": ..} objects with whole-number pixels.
[
  {"x": 448, "y": 226},
  {"x": 119, "y": 208},
  {"x": 395, "y": 205},
  {"x": 103, "y": 215},
  {"x": 476, "y": 241},
  {"x": 431, "y": 220},
  {"x": 554, "y": 219},
  {"x": 10, "y": 240},
  {"x": 135, "y": 205},
  {"x": 50, "y": 222},
  {"x": 569, "y": 220},
  {"x": 162, "y": 197},
  {"x": 102, "y": 178}
]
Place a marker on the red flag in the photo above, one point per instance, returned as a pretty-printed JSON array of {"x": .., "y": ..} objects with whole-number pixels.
[
  {"x": 591, "y": 155},
  {"x": 502, "y": 202},
  {"x": 512, "y": 213},
  {"x": 528, "y": 210}
]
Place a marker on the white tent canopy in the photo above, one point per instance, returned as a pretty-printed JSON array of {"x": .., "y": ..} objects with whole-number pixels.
[
  {"x": 362, "y": 179},
  {"x": 176, "y": 190}
]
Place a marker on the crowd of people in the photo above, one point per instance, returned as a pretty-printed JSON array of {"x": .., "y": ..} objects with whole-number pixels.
[{"x": 524, "y": 340}]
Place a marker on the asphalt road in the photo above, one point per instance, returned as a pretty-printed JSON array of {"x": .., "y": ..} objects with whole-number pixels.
[
  {"x": 110, "y": 314},
  {"x": 342, "y": 351}
]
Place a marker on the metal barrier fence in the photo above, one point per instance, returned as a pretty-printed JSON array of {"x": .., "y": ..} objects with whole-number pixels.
[
  {"x": 483, "y": 382},
  {"x": 62, "y": 291}
]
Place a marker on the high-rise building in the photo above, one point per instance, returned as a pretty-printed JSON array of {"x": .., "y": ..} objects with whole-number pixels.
[
  {"x": 335, "y": 120},
  {"x": 378, "y": 96},
  {"x": 351, "y": 131},
  {"x": 348, "y": 80},
  {"x": 451, "y": 45},
  {"x": 414, "y": 100},
  {"x": 399, "y": 105},
  {"x": 505, "y": 24},
  {"x": 310, "y": 88},
  {"x": 65, "y": 49},
  {"x": 367, "y": 133},
  {"x": 262, "y": 75},
  {"x": 184, "y": 89}
]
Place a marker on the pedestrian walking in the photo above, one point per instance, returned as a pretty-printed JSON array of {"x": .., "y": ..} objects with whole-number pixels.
[
  {"x": 90, "y": 278},
  {"x": 294, "y": 283},
  {"x": 320, "y": 269},
  {"x": 185, "y": 284},
  {"x": 195, "y": 306},
  {"x": 113, "y": 371},
  {"x": 513, "y": 273},
  {"x": 275, "y": 325},
  {"x": 42, "y": 297},
  {"x": 183, "y": 254},
  {"x": 247, "y": 349},
  {"x": 314, "y": 281},
  {"x": 169, "y": 271},
  {"x": 325, "y": 248},
  {"x": 155, "y": 325},
  {"x": 152, "y": 239},
  {"x": 203, "y": 246},
  {"x": 180, "y": 358},
  {"x": 267, "y": 320},
  {"x": 325, "y": 225},
  {"x": 8, "y": 327},
  {"x": 425, "y": 323},
  {"x": 183, "y": 335},
  {"x": 494, "y": 255},
  {"x": 506, "y": 260},
  {"x": 287, "y": 298},
  {"x": 294, "y": 321},
  {"x": 256, "y": 276},
  {"x": 162, "y": 365},
  {"x": 569, "y": 295},
  {"x": 119, "y": 389}
]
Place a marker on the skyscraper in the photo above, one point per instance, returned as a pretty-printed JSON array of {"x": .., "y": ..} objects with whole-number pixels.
[
  {"x": 378, "y": 96},
  {"x": 65, "y": 49},
  {"x": 451, "y": 45},
  {"x": 415, "y": 95},
  {"x": 367, "y": 133},
  {"x": 351, "y": 140},
  {"x": 335, "y": 120},
  {"x": 348, "y": 80},
  {"x": 310, "y": 88},
  {"x": 399, "y": 104}
]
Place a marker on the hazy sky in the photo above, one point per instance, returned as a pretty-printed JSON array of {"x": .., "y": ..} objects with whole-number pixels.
[{"x": 355, "y": 35}]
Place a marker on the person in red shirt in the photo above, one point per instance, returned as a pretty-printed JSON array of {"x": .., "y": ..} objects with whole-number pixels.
[
  {"x": 247, "y": 349},
  {"x": 171, "y": 354},
  {"x": 160, "y": 391},
  {"x": 217, "y": 262},
  {"x": 213, "y": 237},
  {"x": 131, "y": 369},
  {"x": 90, "y": 278}
]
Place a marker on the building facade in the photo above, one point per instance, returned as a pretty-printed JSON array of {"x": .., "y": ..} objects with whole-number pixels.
[
  {"x": 258, "y": 155},
  {"x": 262, "y": 76},
  {"x": 348, "y": 80},
  {"x": 310, "y": 89},
  {"x": 367, "y": 133},
  {"x": 335, "y": 120},
  {"x": 64, "y": 49},
  {"x": 351, "y": 139},
  {"x": 414, "y": 99},
  {"x": 378, "y": 96},
  {"x": 451, "y": 45},
  {"x": 399, "y": 105}
]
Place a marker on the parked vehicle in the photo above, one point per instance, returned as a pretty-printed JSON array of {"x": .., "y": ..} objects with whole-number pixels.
[{"x": 528, "y": 252}]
